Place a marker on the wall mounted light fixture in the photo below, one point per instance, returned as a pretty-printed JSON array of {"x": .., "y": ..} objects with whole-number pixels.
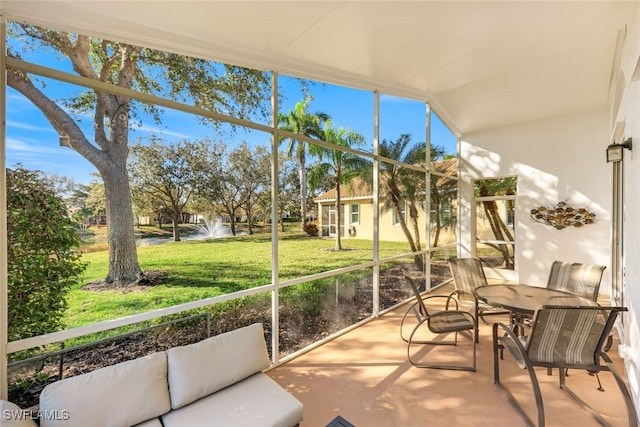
[{"x": 614, "y": 151}]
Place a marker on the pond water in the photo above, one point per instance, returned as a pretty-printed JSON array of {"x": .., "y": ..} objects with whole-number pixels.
[
  {"x": 93, "y": 246},
  {"x": 211, "y": 229}
]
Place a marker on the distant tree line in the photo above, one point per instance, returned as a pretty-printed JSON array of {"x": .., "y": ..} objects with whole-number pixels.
[{"x": 203, "y": 177}]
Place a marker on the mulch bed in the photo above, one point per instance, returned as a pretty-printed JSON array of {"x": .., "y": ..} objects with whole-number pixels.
[{"x": 27, "y": 381}]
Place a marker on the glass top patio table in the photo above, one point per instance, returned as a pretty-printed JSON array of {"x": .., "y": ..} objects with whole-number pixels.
[{"x": 526, "y": 299}]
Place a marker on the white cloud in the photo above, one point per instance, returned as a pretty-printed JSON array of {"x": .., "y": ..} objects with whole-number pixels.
[
  {"x": 49, "y": 159},
  {"x": 158, "y": 131},
  {"x": 28, "y": 126},
  {"x": 394, "y": 99},
  {"x": 20, "y": 145}
]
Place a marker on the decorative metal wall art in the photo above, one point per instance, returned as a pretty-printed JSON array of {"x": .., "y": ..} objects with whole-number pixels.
[{"x": 563, "y": 215}]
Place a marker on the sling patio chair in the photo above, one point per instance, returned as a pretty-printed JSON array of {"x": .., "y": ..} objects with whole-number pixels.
[
  {"x": 576, "y": 278},
  {"x": 442, "y": 323},
  {"x": 579, "y": 279},
  {"x": 468, "y": 274},
  {"x": 561, "y": 337}
]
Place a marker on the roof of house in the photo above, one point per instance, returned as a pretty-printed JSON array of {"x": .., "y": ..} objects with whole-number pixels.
[{"x": 357, "y": 188}]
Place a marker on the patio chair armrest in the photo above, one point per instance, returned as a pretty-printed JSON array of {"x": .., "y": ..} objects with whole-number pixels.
[
  {"x": 449, "y": 298},
  {"x": 463, "y": 292},
  {"x": 504, "y": 336},
  {"x": 466, "y": 295}
]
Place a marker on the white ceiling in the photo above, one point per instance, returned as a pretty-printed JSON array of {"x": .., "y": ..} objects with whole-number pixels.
[{"x": 480, "y": 63}]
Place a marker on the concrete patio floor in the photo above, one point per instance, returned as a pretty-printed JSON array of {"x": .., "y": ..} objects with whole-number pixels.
[{"x": 364, "y": 377}]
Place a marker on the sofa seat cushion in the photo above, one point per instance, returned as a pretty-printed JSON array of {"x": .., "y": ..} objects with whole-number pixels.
[
  {"x": 197, "y": 370},
  {"x": 257, "y": 401},
  {"x": 124, "y": 394}
]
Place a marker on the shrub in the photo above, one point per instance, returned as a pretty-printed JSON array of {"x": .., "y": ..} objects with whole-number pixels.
[
  {"x": 311, "y": 229},
  {"x": 43, "y": 255}
]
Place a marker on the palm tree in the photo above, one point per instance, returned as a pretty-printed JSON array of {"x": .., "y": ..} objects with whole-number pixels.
[
  {"x": 341, "y": 166},
  {"x": 492, "y": 187},
  {"x": 300, "y": 122},
  {"x": 400, "y": 184},
  {"x": 443, "y": 191}
]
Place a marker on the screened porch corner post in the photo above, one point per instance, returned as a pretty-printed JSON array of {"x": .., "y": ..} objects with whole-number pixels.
[
  {"x": 376, "y": 204},
  {"x": 427, "y": 192},
  {"x": 275, "y": 233},
  {"x": 4, "y": 288}
]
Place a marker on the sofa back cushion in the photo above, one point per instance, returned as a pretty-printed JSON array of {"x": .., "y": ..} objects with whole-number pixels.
[
  {"x": 199, "y": 369},
  {"x": 124, "y": 394}
]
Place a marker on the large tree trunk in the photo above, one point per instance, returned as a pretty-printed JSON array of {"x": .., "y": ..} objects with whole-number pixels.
[
  {"x": 176, "y": 228},
  {"x": 232, "y": 224},
  {"x": 249, "y": 220},
  {"x": 160, "y": 218},
  {"x": 123, "y": 255},
  {"x": 176, "y": 218},
  {"x": 123, "y": 258}
]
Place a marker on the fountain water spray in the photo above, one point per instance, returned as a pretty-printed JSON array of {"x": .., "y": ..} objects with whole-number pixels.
[{"x": 214, "y": 228}]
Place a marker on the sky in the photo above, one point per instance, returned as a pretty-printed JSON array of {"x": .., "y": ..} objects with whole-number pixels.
[{"x": 32, "y": 142}]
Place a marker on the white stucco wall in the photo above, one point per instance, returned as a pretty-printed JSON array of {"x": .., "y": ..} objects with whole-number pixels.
[
  {"x": 563, "y": 159},
  {"x": 627, "y": 117},
  {"x": 556, "y": 159}
]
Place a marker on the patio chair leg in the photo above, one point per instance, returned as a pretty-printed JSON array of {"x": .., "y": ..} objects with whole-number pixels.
[
  {"x": 453, "y": 342},
  {"x": 497, "y": 347},
  {"x": 477, "y": 335},
  {"x": 594, "y": 373},
  {"x": 582, "y": 403},
  {"x": 600, "y": 388},
  {"x": 631, "y": 415},
  {"x": 631, "y": 411}
]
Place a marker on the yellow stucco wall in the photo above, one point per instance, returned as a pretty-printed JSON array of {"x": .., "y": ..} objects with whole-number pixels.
[{"x": 389, "y": 231}]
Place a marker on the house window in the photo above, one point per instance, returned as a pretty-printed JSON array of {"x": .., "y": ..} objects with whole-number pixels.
[
  {"x": 403, "y": 213},
  {"x": 354, "y": 210}
]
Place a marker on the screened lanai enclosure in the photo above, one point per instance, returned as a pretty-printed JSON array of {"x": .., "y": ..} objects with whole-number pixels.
[
  {"x": 335, "y": 145},
  {"x": 264, "y": 164}
]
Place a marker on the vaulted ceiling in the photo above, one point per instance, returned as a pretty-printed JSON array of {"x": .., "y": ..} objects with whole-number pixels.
[{"x": 481, "y": 64}]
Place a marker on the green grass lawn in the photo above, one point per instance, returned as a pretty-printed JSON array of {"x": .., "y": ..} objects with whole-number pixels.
[{"x": 199, "y": 269}]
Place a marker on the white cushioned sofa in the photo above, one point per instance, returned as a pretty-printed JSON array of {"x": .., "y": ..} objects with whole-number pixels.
[{"x": 216, "y": 382}]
